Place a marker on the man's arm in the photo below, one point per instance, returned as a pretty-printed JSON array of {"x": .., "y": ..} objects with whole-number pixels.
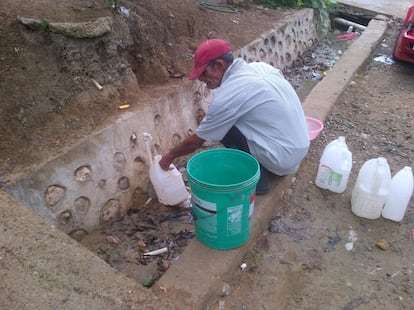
[{"x": 188, "y": 146}]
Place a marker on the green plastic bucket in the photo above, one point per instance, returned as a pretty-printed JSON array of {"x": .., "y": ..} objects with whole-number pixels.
[{"x": 223, "y": 191}]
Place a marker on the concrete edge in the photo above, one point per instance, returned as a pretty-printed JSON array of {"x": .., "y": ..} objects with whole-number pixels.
[{"x": 206, "y": 268}]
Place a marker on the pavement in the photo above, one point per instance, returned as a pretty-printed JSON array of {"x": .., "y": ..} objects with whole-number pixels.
[
  {"x": 397, "y": 8},
  {"x": 74, "y": 278}
]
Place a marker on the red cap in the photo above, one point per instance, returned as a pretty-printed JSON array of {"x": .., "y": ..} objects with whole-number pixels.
[{"x": 206, "y": 52}]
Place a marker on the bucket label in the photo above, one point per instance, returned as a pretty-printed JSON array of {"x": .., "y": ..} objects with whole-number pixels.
[
  {"x": 234, "y": 220},
  {"x": 251, "y": 206},
  {"x": 206, "y": 216},
  {"x": 329, "y": 177},
  {"x": 207, "y": 205}
]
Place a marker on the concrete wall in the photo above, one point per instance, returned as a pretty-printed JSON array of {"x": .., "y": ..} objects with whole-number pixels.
[{"x": 94, "y": 182}]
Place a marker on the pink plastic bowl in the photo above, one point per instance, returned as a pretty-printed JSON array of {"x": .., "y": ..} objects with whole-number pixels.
[{"x": 315, "y": 127}]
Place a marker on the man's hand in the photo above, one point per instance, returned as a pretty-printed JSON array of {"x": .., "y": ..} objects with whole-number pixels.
[
  {"x": 166, "y": 161},
  {"x": 189, "y": 145}
]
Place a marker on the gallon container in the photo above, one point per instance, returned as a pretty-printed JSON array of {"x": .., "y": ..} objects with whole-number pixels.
[
  {"x": 169, "y": 185},
  {"x": 223, "y": 191},
  {"x": 371, "y": 188},
  {"x": 399, "y": 196},
  {"x": 335, "y": 166}
]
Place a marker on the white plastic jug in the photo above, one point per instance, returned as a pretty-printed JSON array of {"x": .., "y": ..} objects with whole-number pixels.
[
  {"x": 168, "y": 185},
  {"x": 335, "y": 166},
  {"x": 402, "y": 186},
  {"x": 371, "y": 188}
]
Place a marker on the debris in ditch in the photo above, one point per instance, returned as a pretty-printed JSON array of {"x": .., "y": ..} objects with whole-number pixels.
[
  {"x": 123, "y": 106},
  {"x": 243, "y": 266},
  {"x": 345, "y": 22},
  {"x": 346, "y": 36},
  {"x": 97, "y": 85},
  {"x": 146, "y": 240},
  {"x": 148, "y": 282},
  {"x": 384, "y": 59},
  {"x": 113, "y": 239},
  {"x": 156, "y": 252}
]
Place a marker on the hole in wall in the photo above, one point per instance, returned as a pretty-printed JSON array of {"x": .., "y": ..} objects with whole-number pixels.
[
  {"x": 197, "y": 97},
  {"x": 157, "y": 120},
  {"x": 78, "y": 234},
  {"x": 82, "y": 204},
  {"x": 119, "y": 161},
  {"x": 157, "y": 148},
  {"x": 65, "y": 217},
  {"x": 262, "y": 54},
  {"x": 54, "y": 194},
  {"x": 199, "y": 115},
  {"x": 83, "y": 174},
  {"x": 176, "y": 139},
  {"x": 110, "y": 211},
  {"x": 139, "y": 164},
  {"x": 123, "y": 183}
]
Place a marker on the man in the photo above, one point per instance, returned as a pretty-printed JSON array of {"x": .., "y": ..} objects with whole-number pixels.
[{"x": 253, "y": 109}]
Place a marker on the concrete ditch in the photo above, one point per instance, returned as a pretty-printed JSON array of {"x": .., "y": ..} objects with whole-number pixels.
[{"x": 70, "y": 176}]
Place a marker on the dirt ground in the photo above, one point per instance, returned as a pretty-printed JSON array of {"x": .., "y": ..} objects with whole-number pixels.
[{"x": 48, "y": 103}]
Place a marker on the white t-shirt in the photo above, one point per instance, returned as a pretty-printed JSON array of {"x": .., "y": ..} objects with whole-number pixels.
[{"x": 258, "y": 100}]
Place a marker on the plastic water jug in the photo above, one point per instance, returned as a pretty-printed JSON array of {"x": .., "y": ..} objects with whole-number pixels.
[
  {"x": 401, "y": 189},
  {"x": 335, "y": 166},
  {"x": 371, "y": 188},
  {"x": 168, "y": 185}
]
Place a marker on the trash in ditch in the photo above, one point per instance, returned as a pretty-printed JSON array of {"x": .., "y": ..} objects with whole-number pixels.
[
  {"x": 148, "y": 282},
  {"x": 156, "y": 252},
  {"x": 384, "y": 59},
  {"x": 113, "y": 239},
  {"x": 123, "y": 106},
  {"x": 243, "y": 266},
  {"x": 346, "y": 36},
  {"x": 145, "y": 241},
  {"x": 124, "y": 11},
  {"x": 97, "y": 85}
]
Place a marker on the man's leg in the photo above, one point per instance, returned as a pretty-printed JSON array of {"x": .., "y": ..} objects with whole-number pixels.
[{"x": 234, "y": 139}]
